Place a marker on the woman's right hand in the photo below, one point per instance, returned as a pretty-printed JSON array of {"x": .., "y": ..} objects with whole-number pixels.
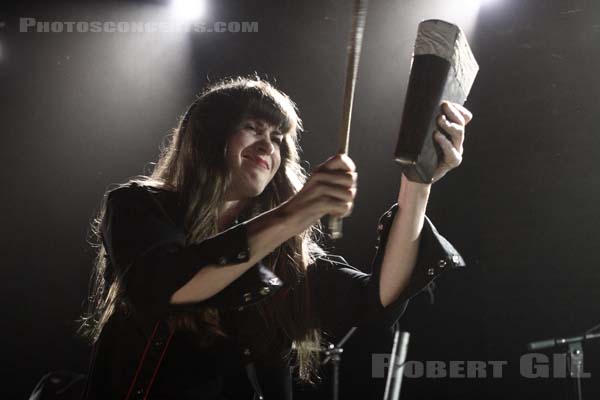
[{"x": 330, "y": 190}]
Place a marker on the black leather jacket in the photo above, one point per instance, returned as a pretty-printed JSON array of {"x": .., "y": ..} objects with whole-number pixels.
[{"x": 138, "y": 356}]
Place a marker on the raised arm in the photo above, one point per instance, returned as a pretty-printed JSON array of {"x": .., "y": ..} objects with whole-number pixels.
[
  {"x": 403, "y": 242},
  {"x": 329, "y": 190}
]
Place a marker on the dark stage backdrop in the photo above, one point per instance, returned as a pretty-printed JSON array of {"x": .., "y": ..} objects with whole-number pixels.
[{"x": 80, "y": 111}]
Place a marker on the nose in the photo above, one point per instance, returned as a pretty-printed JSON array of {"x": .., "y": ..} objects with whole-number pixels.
[{"x": 265, "y": 145}]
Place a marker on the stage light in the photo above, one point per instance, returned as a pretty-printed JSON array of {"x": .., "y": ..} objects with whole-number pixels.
[
  {"x": 188, "y": 10},
  {"x": 486, "y": 3}
]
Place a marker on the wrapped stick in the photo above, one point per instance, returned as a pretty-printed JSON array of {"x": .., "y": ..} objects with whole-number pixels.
[{"x": 353, "y": 52}]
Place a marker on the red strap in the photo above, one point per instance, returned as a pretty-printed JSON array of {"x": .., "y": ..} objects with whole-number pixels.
[
  {"x": 141, "y": 363},
  {"x": 159, "y": 362}
]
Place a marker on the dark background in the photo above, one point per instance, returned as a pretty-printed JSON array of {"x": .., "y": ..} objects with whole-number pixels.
[{"x": 82, "y": 110}]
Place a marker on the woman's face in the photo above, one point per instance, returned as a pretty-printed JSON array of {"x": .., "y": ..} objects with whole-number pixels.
[{"x": 253, "y": 158}]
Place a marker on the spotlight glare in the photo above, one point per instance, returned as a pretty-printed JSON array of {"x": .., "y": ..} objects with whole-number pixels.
[
  {"x": 188, "y": 10},
  {"x": 489, "y": 2}
]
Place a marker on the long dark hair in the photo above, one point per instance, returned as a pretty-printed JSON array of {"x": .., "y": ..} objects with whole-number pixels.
[{"x": 193, "y": 164}]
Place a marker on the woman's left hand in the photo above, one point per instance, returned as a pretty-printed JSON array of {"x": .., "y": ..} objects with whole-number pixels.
[{"x": 452, "y": 120}]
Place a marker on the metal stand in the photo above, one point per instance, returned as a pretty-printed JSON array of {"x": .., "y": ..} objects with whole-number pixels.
[
  {"x": 334, "y": 353},
  {"x": 575, "y": 362},
  {"x": 574, "y": 355},
  {"x": 396, "y": 366}
]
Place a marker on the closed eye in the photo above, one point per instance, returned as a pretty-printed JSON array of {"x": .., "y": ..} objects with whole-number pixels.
[
  {"x": 276, "y": 136},
  {"x": 277, "y": 139}
]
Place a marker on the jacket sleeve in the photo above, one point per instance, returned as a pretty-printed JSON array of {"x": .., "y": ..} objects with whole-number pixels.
[
  {"x": 346, "y": 297},
  {"x": 147, "y": 251}
]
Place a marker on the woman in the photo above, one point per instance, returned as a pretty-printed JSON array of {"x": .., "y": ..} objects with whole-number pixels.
[{"x": 210, "y": 282}]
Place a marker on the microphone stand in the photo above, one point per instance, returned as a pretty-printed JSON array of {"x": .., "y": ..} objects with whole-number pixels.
[
  {"x": 334, "y": 353},
  {"x": 574, "y": 355},
  {"x": 396, "y": 365}
]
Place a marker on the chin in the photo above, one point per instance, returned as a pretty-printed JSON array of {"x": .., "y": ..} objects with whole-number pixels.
[
  {"x": 250, "y": 192},
  {"x": 248, "y": 188}
]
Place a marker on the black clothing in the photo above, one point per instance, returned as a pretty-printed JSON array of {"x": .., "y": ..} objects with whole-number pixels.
[{"x": 143, "y": 235}]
